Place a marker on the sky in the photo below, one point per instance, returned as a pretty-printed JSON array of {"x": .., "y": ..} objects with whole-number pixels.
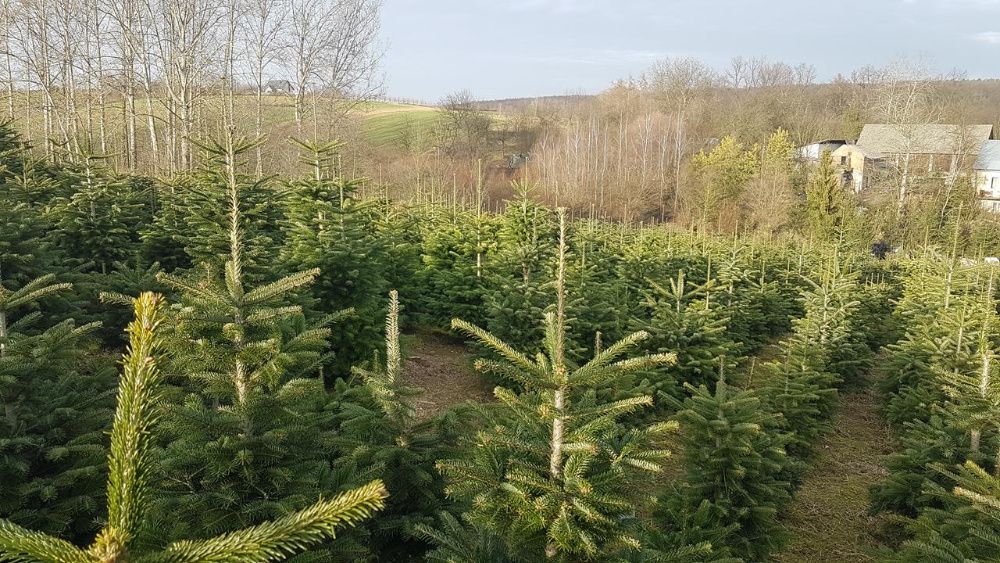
[{"x": 522, "y": 48}]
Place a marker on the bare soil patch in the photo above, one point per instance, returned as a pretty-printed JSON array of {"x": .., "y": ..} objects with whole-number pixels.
[{"x": 442, "y": 367}]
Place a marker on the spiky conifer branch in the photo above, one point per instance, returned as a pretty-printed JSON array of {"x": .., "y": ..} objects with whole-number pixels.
[{"x": 128, "y": 487}]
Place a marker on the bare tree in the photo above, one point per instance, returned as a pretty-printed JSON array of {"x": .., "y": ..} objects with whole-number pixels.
[
  {"x": 262, "y": 31},
  {"x": 736, "y": 72},
  {"x": 333, "y": 46},
  {"x": 903, "y": 94},
  {"x": 184, "y": 37},
  {"x": 677, "y": 82}
]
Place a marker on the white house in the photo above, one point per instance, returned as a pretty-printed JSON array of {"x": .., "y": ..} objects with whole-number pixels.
[
  {"x": 987, "y": 172},
  {"x": 815, "y": 150},
  {"x": 278, "y": 87}
]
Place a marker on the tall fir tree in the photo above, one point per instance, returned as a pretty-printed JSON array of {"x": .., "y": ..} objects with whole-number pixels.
[
  {"x": 249, "y": 434},
  {"x": 555, "y": 473},
  {"x": 826, "y": 201},
  {"x": 191, "y": 224}
]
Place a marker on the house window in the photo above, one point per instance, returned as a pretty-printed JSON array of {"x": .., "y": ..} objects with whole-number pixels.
[{"x": 843, "y": 161}]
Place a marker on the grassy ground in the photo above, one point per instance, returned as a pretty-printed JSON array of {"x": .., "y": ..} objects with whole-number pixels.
[
  {"x": 828, "y": 520},
  {"x": 401, "y": 125},
  {"x": 443, "y": 369},
  {"x": 383, "y": 123}
]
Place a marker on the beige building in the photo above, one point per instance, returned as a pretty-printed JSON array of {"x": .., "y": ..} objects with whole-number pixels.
[
  {"x": 909, "y": 151},
  {"x": 852, "y": 161}
]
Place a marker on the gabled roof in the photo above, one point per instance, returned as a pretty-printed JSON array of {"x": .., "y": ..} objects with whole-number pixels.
[
  {"x": 989, "y": 156},
  {"x": 828, "y": 142},
  {"x": 846, "y": 150},
  {"x": 924, "y": 138}
]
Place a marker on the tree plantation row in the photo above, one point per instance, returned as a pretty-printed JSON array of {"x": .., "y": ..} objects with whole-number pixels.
[{"x": 659, "y": 396}]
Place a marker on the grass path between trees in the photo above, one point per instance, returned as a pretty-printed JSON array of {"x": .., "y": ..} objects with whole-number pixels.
[{"x": 828, "y": 519}]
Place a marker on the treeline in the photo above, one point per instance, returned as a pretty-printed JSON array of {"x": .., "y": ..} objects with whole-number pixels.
[
  {"x": 282, "y": 380},
  {"x": 632, "y": 152},
  {"x": 143, "y": 82}
]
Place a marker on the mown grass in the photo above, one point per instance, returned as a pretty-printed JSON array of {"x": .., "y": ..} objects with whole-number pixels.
[
  {"x": 828, "y": 520},
  {"x": 404, "y": 126}
]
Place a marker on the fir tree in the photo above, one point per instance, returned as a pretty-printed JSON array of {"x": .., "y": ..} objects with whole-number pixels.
[
  {"x": 56, "y": 392},
  {"x": 734, "y": 458},
  {"x": 249, "y": 436},
  {"x": 195, "y": 209},
  {"x": 555, "y": 472},
  {"x": 98, "y": 223},
  {"x": 803, "y": 384},
  {"x": 595, "y": 298},
  {"x": 951, "y": 436},
  {"x": 520, "y": 271},
  {"x": 826, "y": 201},
  {"x": 452, "y": 276},
  {"x": 683, "y": 317},
  {"x": 128, "y": 491},
  {"x": 327, "y": 228},
  {"x": 458, "y": 542},
  {"x": 378, "y": 427}
]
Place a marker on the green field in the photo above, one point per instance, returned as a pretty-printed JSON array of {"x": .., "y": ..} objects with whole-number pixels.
[
  {"x": 408, "y": 126},
  {"x": 381, "y": 123}
]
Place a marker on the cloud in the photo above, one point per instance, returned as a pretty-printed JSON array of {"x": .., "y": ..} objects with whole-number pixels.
[
  {"x": 552, "y": 6},
  {"x": 600, "y": 57},
  {"x": 988, "y": 5},
  {"x": 988, "y": 37}
]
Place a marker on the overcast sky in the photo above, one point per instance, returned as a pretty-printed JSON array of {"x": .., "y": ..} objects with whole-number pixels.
[{"x": 514, "y": 48}]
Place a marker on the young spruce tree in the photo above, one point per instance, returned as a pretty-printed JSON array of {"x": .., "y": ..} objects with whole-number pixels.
[
  {"x": 555, "y": 473},
  {"x": 249, "y": 436}
]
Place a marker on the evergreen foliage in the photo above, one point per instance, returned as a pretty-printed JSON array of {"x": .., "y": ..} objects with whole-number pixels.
[
  {"x": 452, "y": 273},
  {"x": 249, "y": 437},
  {"x": 57, "y": 396},
  {"x": 520, "y": 275},
  {"x": 128, "y": 492},
  {"x": 684, "y": 317},
  {"x": 826, "y": 202},
  {"x": 378, "y": 428},
  {"x": 262, "y": 409},
  {"x": 326, "y": 228},
  {"x": 555, "y": 471},
  {"x": 945, "y": 398},
  {"x": 734, "y": 461}
]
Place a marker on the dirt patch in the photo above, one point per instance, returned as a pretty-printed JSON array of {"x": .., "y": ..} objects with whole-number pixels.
[
  {"x": 828, "y": 519},
  {"x": 443, "y": 369}
]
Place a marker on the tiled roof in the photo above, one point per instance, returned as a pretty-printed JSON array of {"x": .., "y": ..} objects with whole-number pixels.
[{"x": 924, "y": 138}]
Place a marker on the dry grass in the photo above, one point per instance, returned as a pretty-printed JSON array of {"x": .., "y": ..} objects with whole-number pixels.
[{"x": 828, "y": 519}]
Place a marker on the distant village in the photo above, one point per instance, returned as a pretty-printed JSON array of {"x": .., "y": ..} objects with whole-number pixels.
[{"x": 910, "y": 152}]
